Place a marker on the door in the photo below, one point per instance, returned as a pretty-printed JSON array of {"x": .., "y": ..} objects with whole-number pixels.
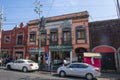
[
  {"x": 72, "y": 69},
  {"x": 15, "y": 65},
  {"x": 81, "y": 70}
]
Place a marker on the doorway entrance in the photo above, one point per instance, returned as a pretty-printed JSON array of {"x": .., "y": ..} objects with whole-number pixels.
[
  {"x": 107, "y": 57},
  {"x": 79, "y": 52}
]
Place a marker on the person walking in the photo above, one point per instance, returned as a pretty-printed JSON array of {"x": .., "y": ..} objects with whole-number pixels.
[
  {"x": 1, "y": 61},
  {"x": 65, "y": 62}
]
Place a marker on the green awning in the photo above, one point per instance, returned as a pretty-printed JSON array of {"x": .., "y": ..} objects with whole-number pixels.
[{"x": 60, "y": 48}]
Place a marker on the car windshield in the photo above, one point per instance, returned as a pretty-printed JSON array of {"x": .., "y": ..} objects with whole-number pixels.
[{"x": 30, "y": 61}]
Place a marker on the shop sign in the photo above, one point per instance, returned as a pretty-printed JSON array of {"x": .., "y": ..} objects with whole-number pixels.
[
  {"x": 35, "y": 50},
  {"x": 61, "y": 48}
]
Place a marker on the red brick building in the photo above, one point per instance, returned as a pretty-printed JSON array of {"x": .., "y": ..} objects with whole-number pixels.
[{"x": 14, "y": 42}]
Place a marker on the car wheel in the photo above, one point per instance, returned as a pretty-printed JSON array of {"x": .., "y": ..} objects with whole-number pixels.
[
  {"x": 24, "y": 69},
  {"x": 89, "y": 76},
  {"x": 9, "y": 67},
  {"x": 62, "y": 74}
]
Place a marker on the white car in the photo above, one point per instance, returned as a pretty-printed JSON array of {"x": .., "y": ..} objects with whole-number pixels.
[
  {"x": 79, "y": 69},
  {"x": 23, "y": 64}
]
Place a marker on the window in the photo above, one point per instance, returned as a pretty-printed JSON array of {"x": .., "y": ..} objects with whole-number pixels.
[
  {"x": 78, "y": 66},
  {"x": 66, "y": 34},
  {"x": 20, "y": 39},
  {"x": 73, "y": 66},
  {"x": 7, "y": 39},
  {"x": 32, "y": 36},
  {"x": 43, "y": 39},
  {"x": 66, "y": 37},
  {"x": 80, "y": 32},
  {"x": 82, "y": 66},
  {"x": 17, "y": 61},
  {"x": 53, "y": 36}
]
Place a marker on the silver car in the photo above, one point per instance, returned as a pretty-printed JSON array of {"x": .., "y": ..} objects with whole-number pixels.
[{"x": 79, "y": 69}]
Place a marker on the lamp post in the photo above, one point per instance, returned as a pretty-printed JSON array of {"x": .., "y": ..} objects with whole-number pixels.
[{"x": 40, "y": 27}]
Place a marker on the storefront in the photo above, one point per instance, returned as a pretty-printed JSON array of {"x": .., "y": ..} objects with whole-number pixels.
[
  {"x": 58, "y": 53},
  {"x": 5, "y": 53},
  {"x": 34, "y": 53}
]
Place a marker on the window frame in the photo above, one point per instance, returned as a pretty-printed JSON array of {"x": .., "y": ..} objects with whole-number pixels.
[
  {"x": 66, "y": 31},
  {"x": 43, "y": 43},
  {"x": 18, "y": 43},
  {"x": 5, "y": 37},
  {"x": 34, "y": 34},
  {"x": 80, "y": 29},
  {"x": 53, "y": 42}
]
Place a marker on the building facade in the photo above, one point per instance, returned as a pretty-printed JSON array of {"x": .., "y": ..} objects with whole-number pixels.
[
  {"x": 64, "y": 37},
  {"x": 67, "y": 37},
  {"x": 104, "y": 39},
  {"x": 14, "y": 42}
]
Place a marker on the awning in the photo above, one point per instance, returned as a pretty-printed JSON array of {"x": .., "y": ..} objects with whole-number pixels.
[
  {"x": 94, "y": 55},
  {"x": 60, "y": 48},
  {"x": 103, "y": 49}
]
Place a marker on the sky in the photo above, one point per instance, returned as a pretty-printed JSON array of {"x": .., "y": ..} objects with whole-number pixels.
[{"x": 17, "y": 11}]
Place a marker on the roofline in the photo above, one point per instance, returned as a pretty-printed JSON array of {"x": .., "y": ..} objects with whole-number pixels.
[
  {"x": 108, "y": 20},
  {"x": 83, "y": 14}
]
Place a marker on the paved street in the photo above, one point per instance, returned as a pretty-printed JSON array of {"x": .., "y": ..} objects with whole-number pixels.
[{"x": 42, "y": 75}]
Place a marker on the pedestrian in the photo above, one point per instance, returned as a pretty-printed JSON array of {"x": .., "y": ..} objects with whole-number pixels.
[
  {"x": 65, "y": 62},
  {"x": 1, "y": 61}
]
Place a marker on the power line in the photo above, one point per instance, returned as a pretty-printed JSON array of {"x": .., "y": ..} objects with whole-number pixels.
[{"x": 50, "y": 8}]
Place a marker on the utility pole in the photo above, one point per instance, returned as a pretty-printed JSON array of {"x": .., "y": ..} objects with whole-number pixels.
[
  {"x": 117, "y": 8},
  {"x": 118, "y": 5},
  {"x": 1, "y": 17},
  {"x": 37, "y": 9}
]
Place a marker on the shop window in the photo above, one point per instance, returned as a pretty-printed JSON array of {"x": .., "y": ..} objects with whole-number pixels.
[
  {"x": 58, "y": 57},
  {"x": 7, "y": 39},
  {"x": 66, "y": 36},
  {"x": 33, "y": 36},
  {"x": 20, "y": 40},
  {"x": 54, "y": 37},
  {"x": 6, "y": 54}
]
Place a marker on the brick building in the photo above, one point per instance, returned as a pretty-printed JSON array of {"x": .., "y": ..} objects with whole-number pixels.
[
  {"x": 14, "y": 42},
  {"x": 104, "y": 39},
  {"x": 64, "y": 36}
]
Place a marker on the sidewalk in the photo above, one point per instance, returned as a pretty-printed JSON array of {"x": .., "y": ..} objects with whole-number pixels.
[{"x": 110, "y": 75}]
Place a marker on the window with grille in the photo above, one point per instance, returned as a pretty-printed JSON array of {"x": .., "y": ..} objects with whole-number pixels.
[
  {"x": 20, "y": 40},
  {"x": 33, "y": 36},
  {"x": 43, "y": 39},
  {"x": 7, "y": 39}
]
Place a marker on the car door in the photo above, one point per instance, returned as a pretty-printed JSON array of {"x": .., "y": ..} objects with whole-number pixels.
[
  {"x": 21, "y": 64},
  {"x": 71, "y": 70},
  {"x": 15, "y": 65},
  {"x": 81, "y": 70}
]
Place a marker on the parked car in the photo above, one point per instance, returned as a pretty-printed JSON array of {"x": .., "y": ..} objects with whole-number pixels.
[
  {"x": 79, "y": 69},
  {"x": 23, "y": 64}
]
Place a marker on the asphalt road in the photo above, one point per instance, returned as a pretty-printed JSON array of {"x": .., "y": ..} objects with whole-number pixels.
[
  {"x": 42, "y": 75},
  {"x": 18, "y": 75}
]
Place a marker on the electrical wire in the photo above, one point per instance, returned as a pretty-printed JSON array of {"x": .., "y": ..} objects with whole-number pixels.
[{"x": 50, "y": 8}]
